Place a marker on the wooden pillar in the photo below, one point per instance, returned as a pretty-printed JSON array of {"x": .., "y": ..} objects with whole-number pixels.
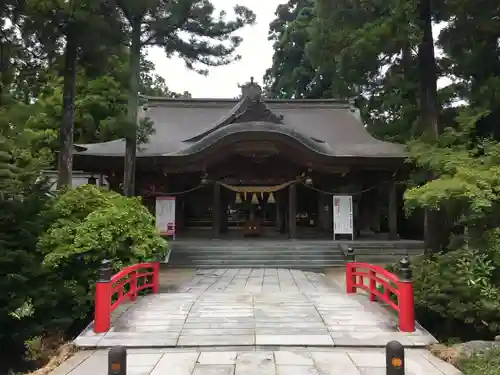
[
  {"x": 393, "y": 212},
  {"x": 321, "y": 223},
  {"x": 376, "y": 210},
  {"x": 279, "y": 213},
  {"x": 292, "y": 211},
  {"x": 216, "y": 210},
  {"x": 179, "y": 214}
]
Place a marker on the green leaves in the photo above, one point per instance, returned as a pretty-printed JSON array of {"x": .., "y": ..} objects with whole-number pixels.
[
  {"x": 292, "y": 74},
  {"x": 99, "y": 225},
  {"x": 467, "y": 185}
]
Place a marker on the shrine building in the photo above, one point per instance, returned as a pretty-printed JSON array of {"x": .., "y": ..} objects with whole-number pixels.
[{"x": 262, "y": 168}]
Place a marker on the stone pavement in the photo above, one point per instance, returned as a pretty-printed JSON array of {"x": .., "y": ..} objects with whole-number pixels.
[
  {"x": 253, "y": 307},
  {"x": 289, "y": 361}
]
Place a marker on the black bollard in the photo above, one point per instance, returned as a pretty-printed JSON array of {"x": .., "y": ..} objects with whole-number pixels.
[
  {"x": 394, "y": 358},
  {"x": 351, "y": 255},
  {"x": 117, "y": 361}
]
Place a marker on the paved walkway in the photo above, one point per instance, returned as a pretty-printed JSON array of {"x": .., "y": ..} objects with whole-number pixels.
[
  {"x": 295, "y": 361},
  {"x": 252, "y": 307},
  {"x": 253, "y": 322}
]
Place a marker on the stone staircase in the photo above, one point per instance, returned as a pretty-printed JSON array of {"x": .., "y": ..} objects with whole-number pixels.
[
  {"x": 384, "y": 251},
  {"x": 293, "y": 254},
  {"x": 255, "y": 254}
]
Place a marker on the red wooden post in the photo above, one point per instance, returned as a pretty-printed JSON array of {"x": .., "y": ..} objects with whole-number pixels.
[
  {"x": 156, "y": 277},
  {"x": 406, "y": 301},
  {"x": 372, "y": 283},
  {"x": 102, "y": 314},
  {"x": 133, "y": 285},
  {"x": 350, "y": 278}
]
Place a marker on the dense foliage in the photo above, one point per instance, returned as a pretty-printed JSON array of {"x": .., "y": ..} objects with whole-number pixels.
[
  {"x": 382, "y": 53},
  {"x": 57, "y": 244},
  {"x": 91, "y": 225}
]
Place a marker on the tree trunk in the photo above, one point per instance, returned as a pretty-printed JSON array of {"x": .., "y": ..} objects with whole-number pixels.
[
  {"x": 436, "y": 233},
  {"x": 66, "y": 131},
  {"x": 410, "y": 95},
  {"x": 427, "y": 67},
  {"x": 132, "y": 110}
]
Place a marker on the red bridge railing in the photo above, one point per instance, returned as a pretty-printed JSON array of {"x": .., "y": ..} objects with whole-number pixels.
[
  {"x": 396, "y": 292},
  {"x": 112, "y": 290}
]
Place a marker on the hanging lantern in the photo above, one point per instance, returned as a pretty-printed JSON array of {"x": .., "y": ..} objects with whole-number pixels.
[
  {"x": 254, "y": 199},
  {"x": 238, "y": 198},
  {"x": 271, "y": 198}
]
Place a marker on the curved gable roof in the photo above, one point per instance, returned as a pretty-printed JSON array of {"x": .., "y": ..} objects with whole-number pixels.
[{"x": 181, "y": 126}]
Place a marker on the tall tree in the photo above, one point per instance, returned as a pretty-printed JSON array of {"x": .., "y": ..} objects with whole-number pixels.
[
  {"x": 64, "y": 20},
  {"x": 472, "y": 53},
  {"x": 186, "y": 28},
  {"x": 293, "y": 74},
  {"x": 10, "y": 43},
  {"x": 100, "y": 101}
]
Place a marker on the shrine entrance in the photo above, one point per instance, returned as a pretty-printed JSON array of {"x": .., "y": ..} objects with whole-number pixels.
[{"x": 252, "y": 197}]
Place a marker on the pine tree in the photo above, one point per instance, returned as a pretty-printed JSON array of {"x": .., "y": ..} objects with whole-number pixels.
[{"x": 210, "y": 42}]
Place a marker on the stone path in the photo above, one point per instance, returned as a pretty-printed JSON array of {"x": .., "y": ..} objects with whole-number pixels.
[
  {"x": 252, "y": 307},
  {"x": 251, "y": 322},
  {"x": 295, "y": 361}
]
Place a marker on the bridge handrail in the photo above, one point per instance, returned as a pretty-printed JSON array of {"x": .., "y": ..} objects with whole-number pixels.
[
  {"x": 402, "y": 288},
  {"x": 109, "y": 286}
]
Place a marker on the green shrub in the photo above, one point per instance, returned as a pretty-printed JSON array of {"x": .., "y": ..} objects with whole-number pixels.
[
  {"x": 88, "y": 225},
  {"x": 456, "y": 293},
  {"x": 94, "y": 224}
]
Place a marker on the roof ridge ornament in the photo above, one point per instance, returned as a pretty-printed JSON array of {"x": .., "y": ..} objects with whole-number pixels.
[{"x": 251, "y": 90}]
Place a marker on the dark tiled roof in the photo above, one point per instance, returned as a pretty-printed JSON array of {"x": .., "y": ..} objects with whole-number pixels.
[{"x": 185, "y": 126}]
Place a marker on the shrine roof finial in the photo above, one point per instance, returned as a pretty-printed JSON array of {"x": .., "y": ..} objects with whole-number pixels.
[{"x": 251, "y": 89}]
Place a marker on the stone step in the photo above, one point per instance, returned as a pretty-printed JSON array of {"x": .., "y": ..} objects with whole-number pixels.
[
  {"x": 259, "y": 251},
  {"x": 262, "y": 257},
  {"x": 302, "y": 254},
  {"x": 297, "y": 257},
  {"x": 282, "y": 264}
]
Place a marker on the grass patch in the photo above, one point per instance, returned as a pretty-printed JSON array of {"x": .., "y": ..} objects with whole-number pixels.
[
  {"x": 481, "y": 364},
  {"x": 487, "y": 363}
]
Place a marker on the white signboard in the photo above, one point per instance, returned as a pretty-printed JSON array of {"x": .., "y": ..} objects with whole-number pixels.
[
  {"x": 343, "y": 215},
  {"x": 165, "y": 216}
]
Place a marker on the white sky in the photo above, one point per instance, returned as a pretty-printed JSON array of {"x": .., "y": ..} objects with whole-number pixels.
[
  {"x": 256, "y": 56},
  {"x": 222, "y": 82}
]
